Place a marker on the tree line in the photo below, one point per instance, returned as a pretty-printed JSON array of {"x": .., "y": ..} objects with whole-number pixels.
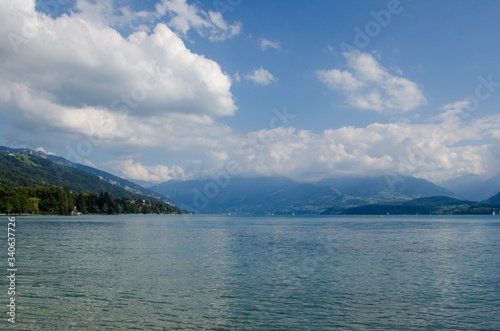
[{"x": 61, "y": 201}]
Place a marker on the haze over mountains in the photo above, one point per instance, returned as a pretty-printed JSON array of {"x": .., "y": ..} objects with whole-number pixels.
[
  {"x": 268, "y": 195},
  {"x": 281, "y": 195},
  {"x": 473, "y": 187}
]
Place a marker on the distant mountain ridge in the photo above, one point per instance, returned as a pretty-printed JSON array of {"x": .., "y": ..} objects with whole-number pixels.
[
  {"x": 259, "y": 195},
  {"x": 439, "y": 205},
  {"x": 473, "y": 187},
  {"x": 112, "y": 179},
  {"x": 275, "y": 195},
  {"x": 382, "y": 187},
  {"x": 494, "y": 199}
]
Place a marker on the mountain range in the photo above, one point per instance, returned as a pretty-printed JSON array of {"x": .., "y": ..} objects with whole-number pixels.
[{"x": 281, "y": 195}]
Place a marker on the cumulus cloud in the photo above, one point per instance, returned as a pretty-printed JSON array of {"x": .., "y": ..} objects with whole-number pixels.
[
  {"x": 185, "y": 17},
  {"x": 261, "y": 77},
  {"x": 153, "y": 174},
  {"x": 266, "y": 44},
  {"x": 435, "y": 151},
  {"x": 370, "y": 86},
  {"x": 74, "y": 75},
  {"x": 105, "y": 13},
  {"x": 444, "y": 148}
]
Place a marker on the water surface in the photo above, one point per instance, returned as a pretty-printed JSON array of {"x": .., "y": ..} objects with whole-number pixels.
[{"x": 267, "y": 273}]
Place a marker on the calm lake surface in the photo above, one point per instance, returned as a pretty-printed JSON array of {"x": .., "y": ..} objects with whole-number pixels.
[{"x": 265, "y": 273}]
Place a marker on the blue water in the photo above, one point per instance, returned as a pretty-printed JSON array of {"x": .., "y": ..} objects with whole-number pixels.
[{"x": 243, "y": 273}]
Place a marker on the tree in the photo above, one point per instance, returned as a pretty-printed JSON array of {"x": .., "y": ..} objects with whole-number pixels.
[
  {"x": 6, "y": 205},
  {"x": 33, "y": 205},
  {"x": 105, "y": 208},
  {"x": 69, "y": 197},
  {"x": 81, "y": 203},
  {"x": 20, "y": 203},
  {"x": 63, "y": 202}
]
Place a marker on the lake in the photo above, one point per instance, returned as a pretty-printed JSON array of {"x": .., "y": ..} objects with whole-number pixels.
[{"x": 255, "y": 273}]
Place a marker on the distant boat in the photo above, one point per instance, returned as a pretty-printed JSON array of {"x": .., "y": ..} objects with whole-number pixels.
[{"x": 293, "y": 213}]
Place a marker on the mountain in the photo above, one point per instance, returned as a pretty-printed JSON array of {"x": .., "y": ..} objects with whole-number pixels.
[
  {"x": 28, "y": 170},
  {"x": 428, "y": 205},
  {"x": 274, "y": 195},
  {"x": 386, "y": 188},
  {"x": 249, "y": 195},
  {"x": 112, "y": 179},
  {"x": 473, "y": 187},
  {"x": 245, "y": 195},
  {"x": 493, "y": 199}
]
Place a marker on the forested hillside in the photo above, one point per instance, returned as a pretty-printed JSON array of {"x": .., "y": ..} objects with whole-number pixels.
[
  {"x": 29, "y": 184},
  {"x": 19, "y": 170}
]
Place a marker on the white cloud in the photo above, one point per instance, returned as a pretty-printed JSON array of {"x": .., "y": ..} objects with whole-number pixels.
[
  {"x": 261, "y": 77},
  {"x": 436, "y": 151},
  {"x": 75, "y": 79},
  {"x": 186, "y": 16},
  {"x": 237, "y": 77},
  {"x": 336, "y": 79},
  {"x": 74, "y": 75},
  {"x": 104, "y": 13},
  {"x": 266, "y": 44},
  {"x": 41, "y": 149},
  {"x": 153, "y": 174},
  {"x": 89, "y": 163},
  {"x": 370, "y": 86},
  {"x": 443, "y": 149},
  {"x": 183, "y": 17}
]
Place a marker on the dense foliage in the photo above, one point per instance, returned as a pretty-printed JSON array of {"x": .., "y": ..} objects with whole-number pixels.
[{"x": 61, "y": 201}]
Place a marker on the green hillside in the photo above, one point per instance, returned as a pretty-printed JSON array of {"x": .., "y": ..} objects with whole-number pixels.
[
  {"x": 30, "y": 184},
  {"x": 19, "y": 170}
]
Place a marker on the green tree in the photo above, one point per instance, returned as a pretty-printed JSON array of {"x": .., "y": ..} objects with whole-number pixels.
[
  {"x": 105, "y": 208},
  {"x": 63, "y": 202},
  {"x": 33, "y": 205},
  {"x": 81, "y": 203},
  {"x": 20, "y": 203},
  {"x": 69, "y": 198}
]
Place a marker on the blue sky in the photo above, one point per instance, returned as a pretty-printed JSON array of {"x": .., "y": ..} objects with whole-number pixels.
[{"x": 178, "y": 89}]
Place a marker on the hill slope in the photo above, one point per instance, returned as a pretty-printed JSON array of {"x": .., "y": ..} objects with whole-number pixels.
[
  {"x": 28, "y": 170},
  {"x": 112, "y": 179},
  {"x": 494, "y": 199}
]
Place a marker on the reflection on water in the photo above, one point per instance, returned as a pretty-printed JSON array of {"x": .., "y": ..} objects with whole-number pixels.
[{"x": 163, "y": 273}]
